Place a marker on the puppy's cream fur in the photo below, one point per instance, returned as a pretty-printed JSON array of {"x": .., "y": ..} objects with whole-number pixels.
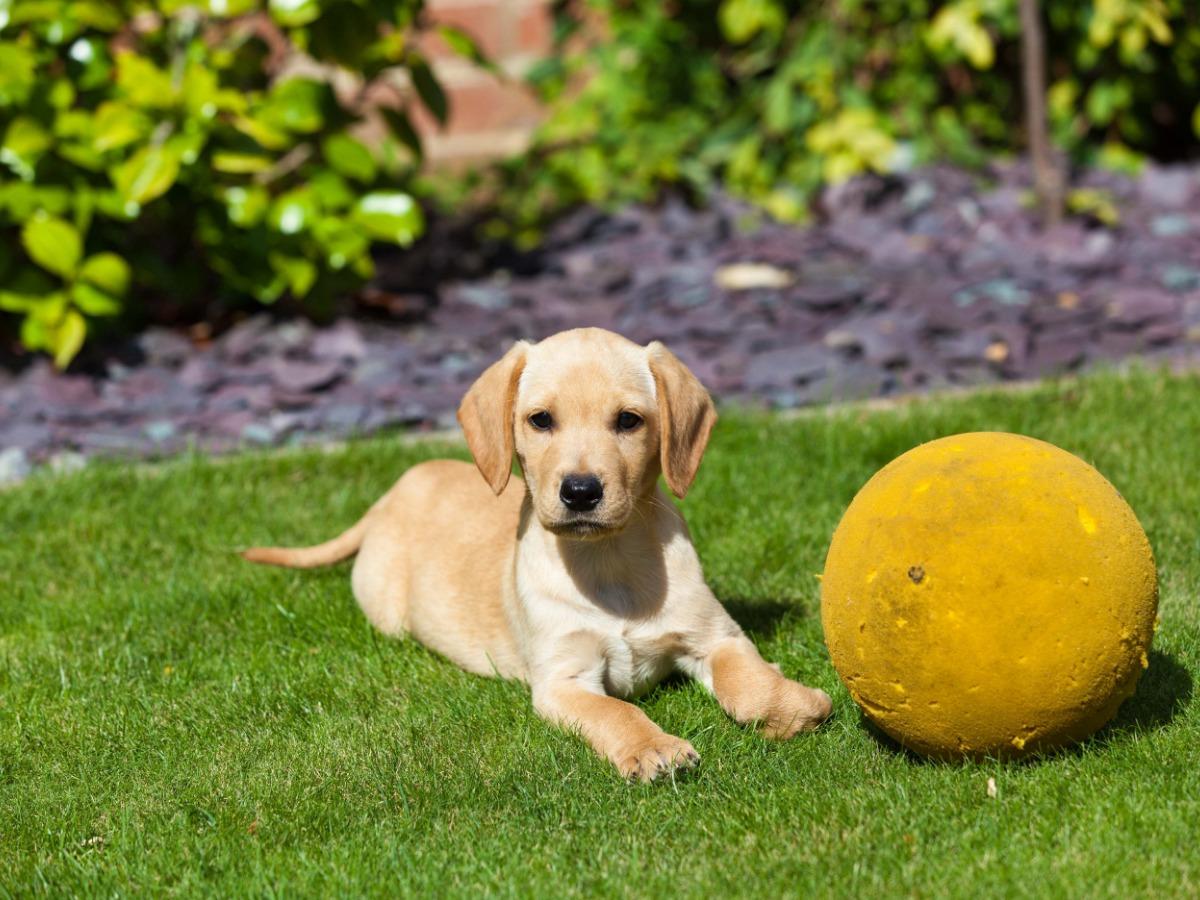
[{"x": 497, "y": 574}]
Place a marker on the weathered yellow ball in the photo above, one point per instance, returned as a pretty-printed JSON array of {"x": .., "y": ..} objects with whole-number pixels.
[{"x": 989, "y": 594}]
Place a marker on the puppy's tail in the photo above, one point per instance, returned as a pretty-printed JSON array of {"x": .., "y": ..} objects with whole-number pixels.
[{"x": 344, "y": 545}]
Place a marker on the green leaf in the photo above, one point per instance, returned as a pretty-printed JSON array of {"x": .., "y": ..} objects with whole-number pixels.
[
  {"x": 299, "y": 273},
  {"x": 74, "y": 124},
  {"x": 957, "y": 25},
  {"x": 22, "y": 200},
  {"x": 106, "y": 271},
  {"x": 17, "y": 68},
  {"x": 345, "y": 33},
  {"x": 246, "y": 206},
  {"x": 463, "y": 44},
  {"x": 297, "y": 105},
  {"x": 777, "y": 106},
  {"x": 62, "y": 94},
  {"x": 331, "y": 191},
  {"x": 10, "y": 301},
  {"x": 94, "y": 301},
  {"x": 24, "y": 143},
  {"x": 53, "y": 244},
  {"x": 390, "y": 216},
  {"x": 976, "y": 44},
  {"x": 1098, "y": 204},
  {"x": 1116, "y": 157},
  {"x": 1196, "y": 120},
  {"x": 100, "y": 16},
  {"x": 294, "y": 13},
  {"x": 222, "y": 9},
  {"x": 201, "y": 91},
  {"x": 263, "y": 134},
  {"x": 26, "y": 290},
  {"x": 50, "y": 308},
  {"x": 241, "y": 163},
  {"x": 429, "y": 90},
  {"x": 349, "y": 157},
  {"x": 293, "y": 212},
  {"x": 67, "y": 338},
  {"x": 1101, "y": 103},
  {"x": 26, "y": 137},
  {"x": 741, "y": 20},
  {"x": 50, "y": 325},
  {"x": 344, "y": 243},
  {"x": 189, "y": 145},
  {"x": 143, "y": 83},
  {"x": 402, "y": 128},
  {"x": 34, "y": 333},
  {"x": 110, "y": 203},
  {"x": 147, "y": 174},
  {"x": 117, "y": 125},
  {"x": 268, "y": 291}
]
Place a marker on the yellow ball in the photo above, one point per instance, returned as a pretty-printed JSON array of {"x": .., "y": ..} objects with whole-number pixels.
[{"x": 989, "y": 594}]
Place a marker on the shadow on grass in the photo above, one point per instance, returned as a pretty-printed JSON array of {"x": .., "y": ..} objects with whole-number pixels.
[
  {"x": 1164, "y": 691},
  {"x": 760, "y": 618}
]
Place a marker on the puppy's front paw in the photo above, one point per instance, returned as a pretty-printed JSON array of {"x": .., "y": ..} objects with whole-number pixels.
[
  {"x": 796, "y": 708},
  {"x": 661, "y": 755}
]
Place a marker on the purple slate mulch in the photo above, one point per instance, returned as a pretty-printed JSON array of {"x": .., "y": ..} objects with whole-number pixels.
[{"x": 906, "y": 283}]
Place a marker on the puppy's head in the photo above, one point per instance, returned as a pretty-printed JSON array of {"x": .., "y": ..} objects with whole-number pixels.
[{"x": 594, "y": 419}]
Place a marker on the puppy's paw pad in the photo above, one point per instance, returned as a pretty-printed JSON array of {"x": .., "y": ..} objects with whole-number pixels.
[{"x": 661, "y": 756}]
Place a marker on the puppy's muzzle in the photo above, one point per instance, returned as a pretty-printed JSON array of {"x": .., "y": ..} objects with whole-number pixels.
[{"x": 580, "y": 493}]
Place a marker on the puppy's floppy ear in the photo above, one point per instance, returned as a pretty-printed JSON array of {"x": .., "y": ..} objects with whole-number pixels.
[
  {"x": 486, "y": 416},
  {"x": 686, "y": 417}
]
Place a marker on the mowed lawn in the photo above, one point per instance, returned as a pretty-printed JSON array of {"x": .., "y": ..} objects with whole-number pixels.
[{"x": 174, "y": 721}]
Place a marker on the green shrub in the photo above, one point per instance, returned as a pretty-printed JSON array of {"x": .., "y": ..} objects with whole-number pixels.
[
  {"x": 178, "y": 152},
  {"x": 776, "y": 97}
]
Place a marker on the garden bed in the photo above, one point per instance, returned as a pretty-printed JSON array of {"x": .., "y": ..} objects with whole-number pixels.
[{"x": 904, "y": 284}]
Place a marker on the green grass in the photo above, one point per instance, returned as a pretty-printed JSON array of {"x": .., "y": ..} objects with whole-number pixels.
[{"x": 175, "y": 721}]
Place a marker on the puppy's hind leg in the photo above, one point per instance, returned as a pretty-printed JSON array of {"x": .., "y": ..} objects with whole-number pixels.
[{"x": 380, "y": 582}]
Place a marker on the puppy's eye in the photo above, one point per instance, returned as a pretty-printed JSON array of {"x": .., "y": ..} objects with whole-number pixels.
[
  {"x": 628, "y": 421},
  {"x": 541, "y": 421}
]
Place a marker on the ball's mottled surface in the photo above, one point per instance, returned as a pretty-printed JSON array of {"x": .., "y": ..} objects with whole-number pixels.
[{"x": 989, "y": 594}]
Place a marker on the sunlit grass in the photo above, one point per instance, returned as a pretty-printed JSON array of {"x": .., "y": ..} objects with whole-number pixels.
[{"x": 175, "y": 721}]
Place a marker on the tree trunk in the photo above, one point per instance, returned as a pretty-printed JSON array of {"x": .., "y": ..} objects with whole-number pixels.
[{"x": 1047, "y": 180}]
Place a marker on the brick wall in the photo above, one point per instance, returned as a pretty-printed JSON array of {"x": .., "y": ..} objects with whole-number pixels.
[{"x": 488, "y": 117}]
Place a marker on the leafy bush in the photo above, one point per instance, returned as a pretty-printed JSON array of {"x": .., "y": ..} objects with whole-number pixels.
[
  {"x": 775, "y": 97},
  {"x": 188, "y": 151}
]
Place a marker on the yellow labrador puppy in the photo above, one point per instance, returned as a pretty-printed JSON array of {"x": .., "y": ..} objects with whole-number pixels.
[{"x": 580, "y": 579}]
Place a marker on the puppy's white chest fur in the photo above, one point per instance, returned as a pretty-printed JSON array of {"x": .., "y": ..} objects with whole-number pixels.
[
  {"x": 633, "y": 664},
  {"x": 615, "y": 618}
]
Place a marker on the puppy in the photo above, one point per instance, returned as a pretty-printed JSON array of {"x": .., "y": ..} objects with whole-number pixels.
[{"x": 580, "y": 579}]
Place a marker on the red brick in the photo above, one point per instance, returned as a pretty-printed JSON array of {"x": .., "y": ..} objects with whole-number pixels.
[
  {"x": 487, "y": 117},
  {"x": 487, "y": 21},
  {"x": 456, "y": 152},
  {"x": 486, "y": 105},
  {"x": 535, "y": 29}
]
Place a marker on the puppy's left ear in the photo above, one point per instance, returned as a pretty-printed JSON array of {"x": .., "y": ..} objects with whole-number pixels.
[
  {"x": 686, "y": 418},
  {"x": 486, "y": 416}
]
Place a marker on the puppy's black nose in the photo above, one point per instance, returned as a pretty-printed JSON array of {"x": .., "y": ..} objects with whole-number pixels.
[{"x": 581, "y": 492}]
